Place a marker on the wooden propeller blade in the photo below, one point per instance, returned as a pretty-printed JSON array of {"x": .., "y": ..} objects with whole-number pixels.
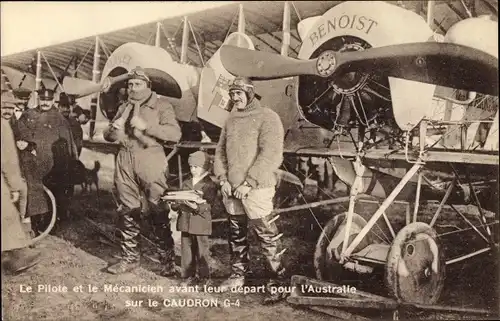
[
  {"x": 102, "y": 86},
  {"x": 263, "y": 65},
  {"x": 444, "y": 64}
]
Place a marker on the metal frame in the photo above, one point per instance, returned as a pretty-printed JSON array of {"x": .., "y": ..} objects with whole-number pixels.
[
  {"x": 348, "y": 248},
  {"x": 95, "y": 79}
]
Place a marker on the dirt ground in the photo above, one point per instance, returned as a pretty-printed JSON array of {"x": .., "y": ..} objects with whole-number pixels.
[{"x": 76, "y": 254}]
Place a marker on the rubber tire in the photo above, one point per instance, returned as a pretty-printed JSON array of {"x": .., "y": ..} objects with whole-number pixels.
[
  {"x": 333, "y": 270},
  {"x": 53, "y": 218}
]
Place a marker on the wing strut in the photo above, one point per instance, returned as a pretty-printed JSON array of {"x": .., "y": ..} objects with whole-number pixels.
[{"x": 95, "y": 79}]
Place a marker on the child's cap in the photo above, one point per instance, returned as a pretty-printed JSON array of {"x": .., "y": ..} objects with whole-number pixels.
[{"x": 200, "y": 159}]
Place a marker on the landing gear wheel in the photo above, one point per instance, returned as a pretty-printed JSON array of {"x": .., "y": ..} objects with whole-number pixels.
[
  {"x": 51, "y": 220},
  {"x": 415, "y": 269},
  {"x": 329, "y": 246}
]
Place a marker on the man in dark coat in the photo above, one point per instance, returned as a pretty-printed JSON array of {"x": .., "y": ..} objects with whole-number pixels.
[
  {"x": 195, "y": 221},
  {"x": 47, "y": 131}
]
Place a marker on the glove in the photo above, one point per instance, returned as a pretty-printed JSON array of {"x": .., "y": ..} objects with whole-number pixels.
[
  {"x": 192, "y": 205},
  {"x": 138, "y": 122},
  {"x": 226, "y": 189},
  {"x": 22, "y": 144},
  {"x": 119, "y": 123}
]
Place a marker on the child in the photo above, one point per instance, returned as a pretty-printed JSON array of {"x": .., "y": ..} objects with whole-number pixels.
[{"x": 195, "y": 221}]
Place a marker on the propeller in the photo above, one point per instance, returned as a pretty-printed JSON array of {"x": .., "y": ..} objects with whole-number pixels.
[
  {"x": 444, "y": 64},
  {"x": 102, "y": 86}
]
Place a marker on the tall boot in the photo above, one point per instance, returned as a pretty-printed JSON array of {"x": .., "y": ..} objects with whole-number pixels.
[
  {"x": 129, "y": 243},
  {"x": 269, "y": 241},
  {"x": 238, "y": 249},
  {"x": 161, "y": 226}
]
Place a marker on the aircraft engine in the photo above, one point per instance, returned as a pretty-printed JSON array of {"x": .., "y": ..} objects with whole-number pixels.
[{"x": 366, "y": 98}]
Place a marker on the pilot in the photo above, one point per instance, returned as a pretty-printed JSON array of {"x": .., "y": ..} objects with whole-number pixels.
[
  {"x": 141, "y": 124},
  {"x": 46, "y": 134},
  {"x": 249, "y": 152}
]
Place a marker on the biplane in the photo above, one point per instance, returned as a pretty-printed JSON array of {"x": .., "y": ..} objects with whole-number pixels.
[{"x": 403, "y": 108}]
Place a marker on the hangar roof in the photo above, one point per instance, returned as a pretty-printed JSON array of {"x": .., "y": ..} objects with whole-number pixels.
[{"x": 210, "y": 27}]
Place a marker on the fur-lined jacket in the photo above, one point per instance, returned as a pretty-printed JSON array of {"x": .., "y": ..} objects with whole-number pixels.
[{"x": 250, "y": 147}]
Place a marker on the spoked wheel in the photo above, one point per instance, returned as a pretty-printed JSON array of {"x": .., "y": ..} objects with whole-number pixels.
[
  {"x": 49, "y": 219},
  {"x": 415, "y": 269},
  {"x": 329, "y": 246}
]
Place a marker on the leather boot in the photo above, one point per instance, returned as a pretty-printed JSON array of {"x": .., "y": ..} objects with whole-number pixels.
[
  {"x": 269, "y": 241},
  {"x": 21, "y": 259},
  {"x": 238, "y": 249},
  {"x": 129, "y": 243},
  {"x": 161, "y": 227}
]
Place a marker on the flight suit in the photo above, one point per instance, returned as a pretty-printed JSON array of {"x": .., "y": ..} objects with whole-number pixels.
[{"x": 142, "y": 169}]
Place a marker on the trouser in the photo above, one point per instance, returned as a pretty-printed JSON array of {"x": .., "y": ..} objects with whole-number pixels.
[
  {"x": 142, "y": 172},
  {"x": 13, "y": 236},
  {"x": 129, "y": 226},
  {"x": 194, "y": 257},
  {"x": 139, "y": 172},
  {"x": 254, "y": 211},
  {"x": 268, "y": 238}
]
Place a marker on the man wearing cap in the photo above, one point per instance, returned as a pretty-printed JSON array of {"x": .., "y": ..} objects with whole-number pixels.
[
  {"x": 141, "y": 124},
  {"x": 249, "y": 152},
  {"x": 16, "y": 256},
  {"x": 45, "y": 128}
]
